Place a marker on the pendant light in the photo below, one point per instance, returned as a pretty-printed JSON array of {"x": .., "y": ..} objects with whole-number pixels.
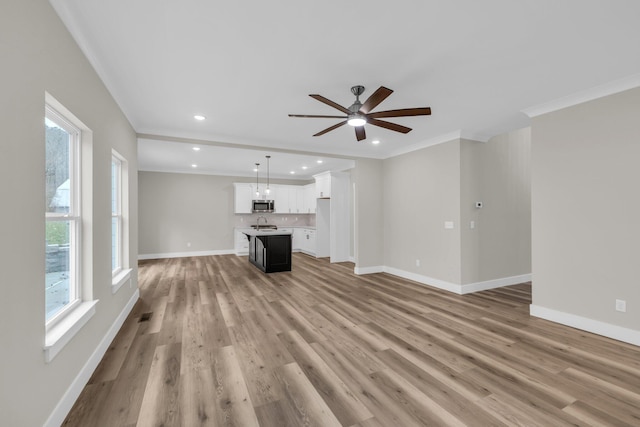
[
  {"x": 257, "y": 184},
  {"x": 268, "y": 190}
]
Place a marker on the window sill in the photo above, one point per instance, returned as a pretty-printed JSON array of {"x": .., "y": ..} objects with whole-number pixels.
[
  {"x": 60, "y": 334},
  {"x": 120, "y": 279}
]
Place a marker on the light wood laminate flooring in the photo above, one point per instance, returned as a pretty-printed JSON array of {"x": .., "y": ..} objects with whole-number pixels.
[{"x": 227, "y": 345}]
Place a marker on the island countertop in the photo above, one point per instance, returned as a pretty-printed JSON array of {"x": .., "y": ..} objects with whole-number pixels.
[{"x": 266, "y": 232}]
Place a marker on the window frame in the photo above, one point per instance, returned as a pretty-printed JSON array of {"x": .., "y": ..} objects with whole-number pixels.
[
  {"x": 116, "y": 213},
  {"x": 73, "y": 217},
  {"x": 61, "y": 328},
  {"x": 122, "y": 273}
]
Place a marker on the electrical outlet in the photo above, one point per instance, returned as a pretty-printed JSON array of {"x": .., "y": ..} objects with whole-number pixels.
[
  {"x": 188, "y": 244},
  {"x": 472, "y": 224},
  {"x": 417, "y": 263},
  {"x": 621, "y": 305},
  {"x": 448, "y": 225}
]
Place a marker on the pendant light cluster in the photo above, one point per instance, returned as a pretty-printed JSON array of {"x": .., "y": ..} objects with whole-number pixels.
[
  {"x": 257, "y": 182},
  {"x": 267, "y": 190}
]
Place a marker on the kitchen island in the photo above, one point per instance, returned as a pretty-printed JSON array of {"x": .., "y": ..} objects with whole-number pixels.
[{"x": 270, "y": 250}]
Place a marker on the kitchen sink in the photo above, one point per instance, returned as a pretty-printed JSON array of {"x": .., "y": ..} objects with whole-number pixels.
[{"x": 266, "y": 227}]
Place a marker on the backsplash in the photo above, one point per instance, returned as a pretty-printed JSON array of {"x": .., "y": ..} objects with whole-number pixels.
[{"x": 281, "y": 220}]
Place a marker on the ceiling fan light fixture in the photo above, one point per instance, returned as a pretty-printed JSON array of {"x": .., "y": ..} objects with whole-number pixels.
[{"x": 356, "y": 120}]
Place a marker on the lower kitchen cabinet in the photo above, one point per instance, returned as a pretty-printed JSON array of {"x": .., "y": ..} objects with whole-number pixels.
[
  {"x": 308, "y": 243},
  {"x": 241, "y": 243},
  {"x": 298, "y": 236},
  {"x": 271, "y": 253}
]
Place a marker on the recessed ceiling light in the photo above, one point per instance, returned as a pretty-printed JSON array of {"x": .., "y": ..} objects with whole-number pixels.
[
  {"x": 319, "y": 161},
  {"x": 194, "y": 165},
  {"x": 375, "y": 142},
  {"x": 199, "y": 117},
  {"x": 196, "y": 148},
  {"x": 292, "y": 172},
  {"x": 304, "y": 168}
]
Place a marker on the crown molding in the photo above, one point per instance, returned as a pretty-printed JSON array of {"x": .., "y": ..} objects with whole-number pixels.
[{"x": 581, "y": 97}]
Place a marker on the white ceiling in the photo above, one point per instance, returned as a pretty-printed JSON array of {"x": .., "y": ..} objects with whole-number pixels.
[
  {"x": 180, "y": 157},
  {"x": 246, "y": 65}
]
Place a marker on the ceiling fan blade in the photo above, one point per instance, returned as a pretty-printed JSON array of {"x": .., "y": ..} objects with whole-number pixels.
[
  {"x": 360, "y": 133},
  {"x": 317, "y": 117},
  {"x": 389, "y": 125},
  {"x": 404, "y": 112},
  {"x": 329, "y": 129},
  {"x": 330, "y": 103},
  {"x": 376, "y": 98}
]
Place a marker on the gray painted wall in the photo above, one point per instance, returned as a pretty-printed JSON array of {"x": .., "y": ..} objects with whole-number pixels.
[
  {"x": 421, "y": 191},
  {"x": 497, "y": 173},
  {"x": 368, "y": 209},
  {"x": 39, "y": 55},
  {"x": 177, "y": 209},
  {"x": 425, "y": 188},
  {"x": 586, "y": 207}
]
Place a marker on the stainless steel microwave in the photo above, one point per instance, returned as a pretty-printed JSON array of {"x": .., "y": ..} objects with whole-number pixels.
[{"x": 262, "y": 206}]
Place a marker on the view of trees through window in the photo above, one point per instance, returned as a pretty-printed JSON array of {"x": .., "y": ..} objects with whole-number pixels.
[{"x": 59, "y": 228}]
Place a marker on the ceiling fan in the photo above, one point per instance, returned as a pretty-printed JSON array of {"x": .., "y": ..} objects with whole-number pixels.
[{"x": 358, "y": 114}]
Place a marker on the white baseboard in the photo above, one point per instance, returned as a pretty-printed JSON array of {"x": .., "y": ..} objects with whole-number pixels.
[
  {"x": 442, "y": 284},
  {"x": 368, "y": 270},
  {"x": 425, "y": 280},
  {"x": 186, "y": 254},
  {"x": 608, "y": 330},
  {"x": 495, "y": 283},
  {"x": 71, "y": 395}
]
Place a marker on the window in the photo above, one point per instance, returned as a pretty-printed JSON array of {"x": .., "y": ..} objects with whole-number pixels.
[
  {"x": 62, "y": 212},
  {"x": 119, "y": 215},
  {"x": 68, "y": 237},
  {"x": 116, "y": 214}
]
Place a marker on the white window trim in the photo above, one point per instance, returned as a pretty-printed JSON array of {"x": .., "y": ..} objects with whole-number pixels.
[
  {"x": 119, "y": 279},
  {"x": 122, "y": 275},
  {"x": 61, "y": 333},
  {"x": 62, "y": 327}
]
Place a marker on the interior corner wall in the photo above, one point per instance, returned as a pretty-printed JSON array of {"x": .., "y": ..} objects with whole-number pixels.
[
  {"x": 585, "y": 186},
  {"x": 38, "y": 54},
  {"x": 498, "y": 174},
  {"x": 421, "y": 192},
  {"x": 368, "y": 214}
]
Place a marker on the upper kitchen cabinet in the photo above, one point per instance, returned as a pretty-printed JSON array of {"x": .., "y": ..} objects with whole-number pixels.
[
  {"x": 288, "y": 199},
  {"x": 323, "y": 185},
  {"x": 296, "y": 199},
  {"x": 309, "y": 199},
  {"x": 243, "y": 197}
]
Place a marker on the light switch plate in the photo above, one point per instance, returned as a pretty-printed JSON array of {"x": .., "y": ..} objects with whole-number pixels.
[{"x": 448, "y": 224}]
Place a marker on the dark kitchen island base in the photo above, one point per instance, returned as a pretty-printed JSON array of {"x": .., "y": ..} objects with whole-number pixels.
[{"x": 271, "y": 253}]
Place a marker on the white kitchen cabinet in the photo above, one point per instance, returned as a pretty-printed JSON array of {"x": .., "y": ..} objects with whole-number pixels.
[
  {"x": 243, "y": 193},
  {"x": 298, "y": 239},
  {"x": 310, "y": 199},
  {"x": 308, "y": 241},
  {"x": 280, "y": 197},
  {"x": 241, "y": 243},
  {"x": 296, "y": 199},
  {"x": 309, "y": 194},
  {"x": 323, "y": 185},
  {"x": 288, "y": 199}
]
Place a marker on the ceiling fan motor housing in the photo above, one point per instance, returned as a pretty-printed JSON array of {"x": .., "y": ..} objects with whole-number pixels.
[{"x": 357, "y": 90}]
